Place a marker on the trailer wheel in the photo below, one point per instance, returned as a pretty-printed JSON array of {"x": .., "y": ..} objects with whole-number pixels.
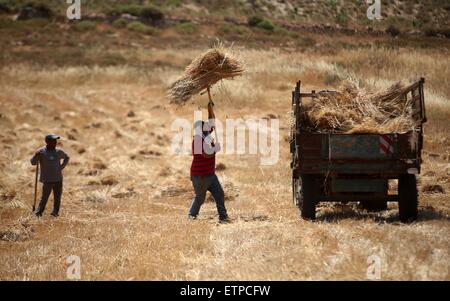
[
  {"x": 407, "y": 202},
  {"x": 296, "y": 192},
  {"x": 308, "y": 204}
]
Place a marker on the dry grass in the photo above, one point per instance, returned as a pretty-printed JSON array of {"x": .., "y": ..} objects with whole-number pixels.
[
  {"x": 205, "y": 70},
  {"x": 352, "y": 110},
  {"x": 135, "y": 227}
]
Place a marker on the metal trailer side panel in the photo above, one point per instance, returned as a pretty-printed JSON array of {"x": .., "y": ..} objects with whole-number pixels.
[{"x": 358, "y": 154}]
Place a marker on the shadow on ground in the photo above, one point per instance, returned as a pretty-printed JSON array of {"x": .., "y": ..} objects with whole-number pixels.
[{"x": 390, "y": 216}]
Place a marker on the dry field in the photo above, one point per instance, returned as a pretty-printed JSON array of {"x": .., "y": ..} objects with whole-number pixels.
[{"x": 124, "y": 209}]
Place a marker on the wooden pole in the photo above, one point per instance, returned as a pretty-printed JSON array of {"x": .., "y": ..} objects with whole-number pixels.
[
  {"x": 35, "y": 185},
  {"x": 210, "y": 100}
]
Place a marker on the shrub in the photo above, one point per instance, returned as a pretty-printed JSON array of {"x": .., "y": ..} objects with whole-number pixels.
[
  {"x": 417, "y": 24},
  {"x": 151, "y": 13},
  {"x": 254, "y": 20},
  {"x": 148, "y": 12},
  {"x": 393, "y": 31},
  {"x": 266, "y": 24},
  {"x": 34, "y": 9},
  {"x": 233, "y": 29},
  {"x": 261, "y": 22},
  {"x": 333, "y": 4},
  {"x": 85, "y": 26},
  {"x": 186, "y": 28},
  {"x": 4, "y": 7},
  {"x": 341, "y": 18},
  {"x": 120, "y": 23},
  {"x": 140, "y": 27},
  {"x": 125, "y": 9}
]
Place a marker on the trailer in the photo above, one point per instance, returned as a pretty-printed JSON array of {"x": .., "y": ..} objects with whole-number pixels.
[{"x": 356, "y": 167}]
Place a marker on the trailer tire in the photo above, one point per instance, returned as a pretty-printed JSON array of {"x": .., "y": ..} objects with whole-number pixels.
[
  {"x": 407, "y": 198},
  {"x": 295, "y": 191},
  {"x": 308, "y": 204}
]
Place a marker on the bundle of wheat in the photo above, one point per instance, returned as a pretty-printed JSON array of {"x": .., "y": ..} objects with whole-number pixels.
[
  {"x": 204, "y": 71},
  {"x": 353, "y": 110}
]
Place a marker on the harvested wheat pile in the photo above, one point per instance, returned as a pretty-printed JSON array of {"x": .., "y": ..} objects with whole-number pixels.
[
  {"x": 353, "y": 110},
  {"x": 207, "y": 69}
]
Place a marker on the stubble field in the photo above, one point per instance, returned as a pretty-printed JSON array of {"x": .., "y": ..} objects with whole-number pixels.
[{"x": 126, "y": 195}]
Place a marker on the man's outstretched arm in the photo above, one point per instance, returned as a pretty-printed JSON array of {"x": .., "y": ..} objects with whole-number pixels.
[{"x": 212, "y": 123}]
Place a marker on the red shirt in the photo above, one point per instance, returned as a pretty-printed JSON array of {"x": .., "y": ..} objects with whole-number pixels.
[{"x": 202, "y": 166}]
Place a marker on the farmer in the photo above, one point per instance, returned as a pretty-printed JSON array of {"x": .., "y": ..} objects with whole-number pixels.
[
  {"x": 49, "y": 158},
  {"x": 203, "y": 167}
]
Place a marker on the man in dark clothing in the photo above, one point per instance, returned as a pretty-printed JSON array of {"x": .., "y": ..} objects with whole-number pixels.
[
  {"x": 49, "y": 158},
  {"x": 203, "y": 167}
]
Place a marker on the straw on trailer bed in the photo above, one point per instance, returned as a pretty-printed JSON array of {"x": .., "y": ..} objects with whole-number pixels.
[{"x": 353, "y": 110}]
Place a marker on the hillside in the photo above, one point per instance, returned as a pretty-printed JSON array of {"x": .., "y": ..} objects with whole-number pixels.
[{"x": 407, "y": 15}]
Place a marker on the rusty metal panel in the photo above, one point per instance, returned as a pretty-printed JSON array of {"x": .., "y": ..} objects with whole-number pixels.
[
  {"x": 358, "y": 185},
  {"x": 362, "y": 147},
  {"x": 383, "y": 168},
  {"x": 408, "y": 145},
  {"x": 307, "y": 140},
  {"x": 310, "y": 146}
]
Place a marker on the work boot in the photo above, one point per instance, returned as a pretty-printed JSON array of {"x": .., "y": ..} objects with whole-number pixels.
[{"x": 224, "y": 219}]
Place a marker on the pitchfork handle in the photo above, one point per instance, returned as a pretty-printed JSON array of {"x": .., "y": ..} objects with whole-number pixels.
[
  {"x": 209, "y": 96},
  {"x": 35, "y": 185}
]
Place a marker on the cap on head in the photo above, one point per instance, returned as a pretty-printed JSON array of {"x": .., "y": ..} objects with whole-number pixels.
[
  {"x": 202, "y": 127},
  {"x": 199, "y": 124},
  {"x": 51, "y": 137}
]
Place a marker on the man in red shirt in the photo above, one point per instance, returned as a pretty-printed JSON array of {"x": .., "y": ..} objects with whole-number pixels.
[{"x": 203, "y": 168}]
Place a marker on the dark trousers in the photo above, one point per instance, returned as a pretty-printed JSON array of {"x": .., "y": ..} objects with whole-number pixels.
[
  {"x": 47, "y": 188},
  {"x": 210, "y": 183}
]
